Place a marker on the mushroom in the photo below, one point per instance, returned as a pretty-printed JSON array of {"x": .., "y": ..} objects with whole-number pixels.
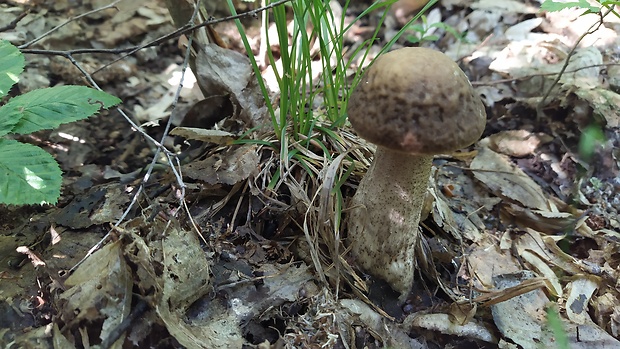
[{"x": 411, "y": 103}]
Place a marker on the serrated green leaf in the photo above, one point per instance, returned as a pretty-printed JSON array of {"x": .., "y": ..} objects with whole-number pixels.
[
  {"x": 28, "y": 174},
  {"x": 47, "y": 108},
  {"x": 11, "y": 65}
]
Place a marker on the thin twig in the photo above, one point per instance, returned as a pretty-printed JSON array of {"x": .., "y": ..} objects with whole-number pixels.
[
  {"x": 173, "y": 160},
  {"x": 526, "y": 77},
  {"x": 175, "y": 34},
  {"x": 14, "y": 22}
]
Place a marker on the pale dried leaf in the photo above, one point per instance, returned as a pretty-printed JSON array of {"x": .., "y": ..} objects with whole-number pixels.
[
  {"x": 442, "y": 324},
  {"x": 507, "y": 181},
  {"x": 580, "y": 293},
  {"x": 521, "y": 318},
  {"x": 212, "y": 136},
  {"x": 523, "y": 30},
  {"x": 393, "y": 335},
  {"x": 511, "y": 6},
  {"x": 458, "y": 222},
  {"x": 516, "y": 143}
]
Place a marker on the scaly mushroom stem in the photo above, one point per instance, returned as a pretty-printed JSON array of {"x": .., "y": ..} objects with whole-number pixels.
[{"x": 384, "y": 216}]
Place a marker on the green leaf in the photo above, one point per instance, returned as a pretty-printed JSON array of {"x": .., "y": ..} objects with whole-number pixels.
[
  {"x": 28, "y": 174},
  {"x": 47, "y": 108},
  {"x": 591, "y": 138},
  {"x": 552, "y": 6},
  {"x": 11, "y": 65}
]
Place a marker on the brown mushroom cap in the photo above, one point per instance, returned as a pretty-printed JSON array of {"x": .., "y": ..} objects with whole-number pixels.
[{"x": 417, "y": 100}]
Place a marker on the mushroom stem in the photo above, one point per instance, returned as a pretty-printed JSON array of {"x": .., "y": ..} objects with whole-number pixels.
[{"x": 384, "y": 216}]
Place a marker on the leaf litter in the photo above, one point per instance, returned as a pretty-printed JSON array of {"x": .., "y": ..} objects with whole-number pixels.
[{"x": 505, "y": 241}]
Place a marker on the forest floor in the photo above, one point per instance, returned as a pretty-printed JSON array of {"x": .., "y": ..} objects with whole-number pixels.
[{"x": 521, "y": 237}]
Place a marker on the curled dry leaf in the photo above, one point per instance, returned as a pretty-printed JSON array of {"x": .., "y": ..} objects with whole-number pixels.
[
  {"x": 393, "y": 335},
  {"x": 223, "y": 71},
  {"x": 541, "y": 220}
]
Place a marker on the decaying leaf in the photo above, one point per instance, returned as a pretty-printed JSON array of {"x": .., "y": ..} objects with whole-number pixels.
[
  {"x": 230, "y": 167},
  {"x": 604, "y": 102},
  {"x": 460, "y": 223},
  {"x": 186, "y": 269},
  {"x": 521, "y": 318},
  {"x": 185, "y": 279},
  {"x": 100, "y": 290}
]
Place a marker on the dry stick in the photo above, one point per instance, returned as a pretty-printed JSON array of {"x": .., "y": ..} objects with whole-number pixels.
[
  {"x": 175, "y": 34},
  {"x": 594, "y": 27},
  {"x": 173, "y": 160},
  {"x": 14, "y": 22}
]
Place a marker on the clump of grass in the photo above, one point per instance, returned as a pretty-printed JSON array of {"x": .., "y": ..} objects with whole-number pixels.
[{"x": 308, "y": 118}]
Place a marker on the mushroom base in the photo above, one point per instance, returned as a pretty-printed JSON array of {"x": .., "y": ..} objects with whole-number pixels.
[{"x": 384, "y": 216}]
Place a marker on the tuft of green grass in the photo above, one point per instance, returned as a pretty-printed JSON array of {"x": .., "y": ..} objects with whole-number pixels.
[
  {"x": 312, "y": 151},
  {"x": 306, "y": 110}
]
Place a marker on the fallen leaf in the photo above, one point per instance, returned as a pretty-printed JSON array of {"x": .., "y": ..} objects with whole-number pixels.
[
  {"x": 507, "y": 181},
  {"x": 230, "y": 167}
]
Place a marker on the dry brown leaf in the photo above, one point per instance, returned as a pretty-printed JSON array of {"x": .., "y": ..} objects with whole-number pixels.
[
  {"x": 540, "y": 220},
  {"x": 507, "y": 181},
  {"x": 100, "y": 290},
  {"x": 223, "y": 71},
  {"x": 461, "y": 221},
  {"x": 230, "y": 167},
  {"x": 485, "y": 261}
]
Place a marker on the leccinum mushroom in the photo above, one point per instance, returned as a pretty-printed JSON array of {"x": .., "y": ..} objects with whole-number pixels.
[{"x": 412, "y": 103}]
